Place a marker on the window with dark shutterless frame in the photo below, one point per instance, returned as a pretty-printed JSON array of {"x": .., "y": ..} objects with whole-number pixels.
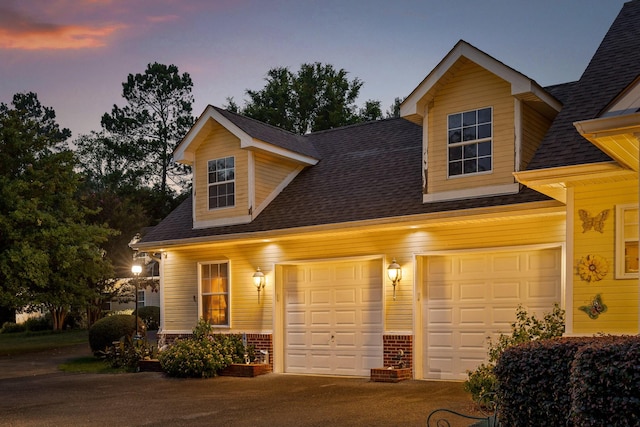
[{"x": 469, "y": 139}]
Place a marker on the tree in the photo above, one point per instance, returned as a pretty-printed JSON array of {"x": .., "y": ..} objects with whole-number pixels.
[
  {"x": 49, "y": 256},
  {"x": 144, "y": 133},
  {"x": 317, "y": 97}
]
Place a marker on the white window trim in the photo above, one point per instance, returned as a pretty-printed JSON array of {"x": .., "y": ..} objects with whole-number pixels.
[
  {"x": 620, "y": 242},
  {"x": 209, "y": 184},
  {"x": 142, "y": 298},
  {"x": 199, "y": 297},
  {"x": 464, "y": 143}
]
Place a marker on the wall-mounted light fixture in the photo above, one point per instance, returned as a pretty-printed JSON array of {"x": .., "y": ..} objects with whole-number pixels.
[
  {"x": 394, "y": 271},
  {"x": 258, "y": 281}
]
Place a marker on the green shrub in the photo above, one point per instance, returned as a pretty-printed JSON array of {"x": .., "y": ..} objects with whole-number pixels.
[
  {"x": 11, "y": 327},
  {"x": 203, "y": 355},
  {"x": 107, "y": 330},
  {"x": 150, "y": 315},
  {"x": 128, "y": 352},
  {"x": 43, "y": 323},
  {"x": 481, "y": 382},
  {"x": 605, "y": 383}
]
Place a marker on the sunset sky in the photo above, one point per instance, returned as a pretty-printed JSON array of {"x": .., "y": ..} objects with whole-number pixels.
[{"x": 75, "y": 54}]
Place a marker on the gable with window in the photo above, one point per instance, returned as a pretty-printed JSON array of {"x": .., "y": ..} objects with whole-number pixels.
[{"x": 213, "y": 284}]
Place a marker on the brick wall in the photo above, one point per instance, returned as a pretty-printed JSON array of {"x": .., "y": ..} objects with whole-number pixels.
[{"x": 392, "y": 344}]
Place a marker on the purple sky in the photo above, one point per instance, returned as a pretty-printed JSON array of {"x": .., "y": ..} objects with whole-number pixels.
[{"x": 75, "y": 54}]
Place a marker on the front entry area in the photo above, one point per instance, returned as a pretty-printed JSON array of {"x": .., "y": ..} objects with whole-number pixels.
[
  {"x": 333, "y": 317},
  {"x": 470, "y": 296}
]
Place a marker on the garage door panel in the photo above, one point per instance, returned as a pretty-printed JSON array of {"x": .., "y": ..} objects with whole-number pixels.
[
  {"x": 505, "y": 290},
  {"x": 319, "y": 297},
  {"x": 345, "y": 296},
  {"x": 346, "y": 318},
  {"x": 473, "y": 296},
  {"x": 473, "y": 291},
  {"x": 543, "y": 289},
  {"x": 472, "y": 316},
  {"x": 343, "y": 311},
  {"x": 320, "y": 317}
]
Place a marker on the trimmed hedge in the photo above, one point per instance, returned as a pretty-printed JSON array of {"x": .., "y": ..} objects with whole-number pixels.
[
  {"x": 606, "y": 383},
  {"x": 107, "y": 330},
  {"x": 540, "y": 382}
]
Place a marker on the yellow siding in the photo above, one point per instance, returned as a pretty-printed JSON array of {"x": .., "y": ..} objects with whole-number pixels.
[
  {"x": 534, "y": 127},
  {"x": 247, "y": 315},
  {"x": 217, "y": 144},
  {"x": 270, "y": 172},
  {"x": 472, "y": 87},
  {"x": 619, "y": 295}
]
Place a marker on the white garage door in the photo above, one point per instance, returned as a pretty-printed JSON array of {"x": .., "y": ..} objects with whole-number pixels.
[
  {"x": 472, "y": 296},
  {"x": 333, "y": 318}
]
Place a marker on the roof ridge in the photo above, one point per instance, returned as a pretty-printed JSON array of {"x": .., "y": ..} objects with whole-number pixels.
[{"x": 261, "y": 123}]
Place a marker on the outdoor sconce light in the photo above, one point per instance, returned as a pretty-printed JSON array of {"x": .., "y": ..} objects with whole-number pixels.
[
  {"x": 394, "y": 271},
  {"x": 258, "y": 281}
]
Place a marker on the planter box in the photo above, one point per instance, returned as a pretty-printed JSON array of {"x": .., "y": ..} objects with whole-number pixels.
[
  {"x": 390, "y": 375},
  {"x": 245, "y": 370},
  {"x": 152, "y": 365}
]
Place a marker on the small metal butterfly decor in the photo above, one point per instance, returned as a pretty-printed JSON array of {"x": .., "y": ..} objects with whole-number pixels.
[
  {"x": 596, "y": 307},
  {"x": 595, "y": 222}
]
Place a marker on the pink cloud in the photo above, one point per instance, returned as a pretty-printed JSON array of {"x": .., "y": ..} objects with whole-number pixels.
[{"x": 21, "y": 31}]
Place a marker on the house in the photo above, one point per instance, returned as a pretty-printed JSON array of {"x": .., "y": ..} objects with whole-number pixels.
[{"x": 489, "y": 192}]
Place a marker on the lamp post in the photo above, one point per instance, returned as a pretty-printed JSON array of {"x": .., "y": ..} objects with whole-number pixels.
[{"x": 136, "y": 269}]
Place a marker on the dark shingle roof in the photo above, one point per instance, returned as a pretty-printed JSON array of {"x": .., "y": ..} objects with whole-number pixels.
[
  {"x": 271, "y": 134},
  {"x": 367, "y": 171},
  {"x": 614, "y": 66}
]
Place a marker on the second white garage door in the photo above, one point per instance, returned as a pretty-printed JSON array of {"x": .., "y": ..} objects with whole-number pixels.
[
  {"x": 333, "y": 317},
  {"x": 475, "y": 295}
]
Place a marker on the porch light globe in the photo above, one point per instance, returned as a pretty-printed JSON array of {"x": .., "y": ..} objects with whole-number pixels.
[
  {"x": 258, "y": 278},
  {"x": 394, "y": 271},
  {"x": 136, "y": 269}
]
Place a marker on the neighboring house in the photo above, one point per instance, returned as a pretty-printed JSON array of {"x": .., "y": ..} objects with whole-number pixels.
[
  {"x": 148, "y": 288},
  {"x": 491, "y": 191}
]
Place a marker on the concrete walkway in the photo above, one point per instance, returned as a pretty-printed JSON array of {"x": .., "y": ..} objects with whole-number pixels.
[{"x": 34, "y": 393}]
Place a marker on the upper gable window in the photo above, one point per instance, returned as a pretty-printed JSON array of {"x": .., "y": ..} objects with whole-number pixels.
[
  {"x": 469, "y": 137},
  {"x": 222, "y": 184}
]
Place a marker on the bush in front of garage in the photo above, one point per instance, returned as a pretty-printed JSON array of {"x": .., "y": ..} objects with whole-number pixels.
[
  {"x": 585, "y": 381},
  {"x": 202, "y": 355},
  {"x": 481, "y": 382}
]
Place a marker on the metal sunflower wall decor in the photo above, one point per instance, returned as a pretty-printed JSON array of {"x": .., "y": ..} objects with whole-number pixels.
[
  {"x": 592, "y": 268},
  {"x": 596, "y": 307}
]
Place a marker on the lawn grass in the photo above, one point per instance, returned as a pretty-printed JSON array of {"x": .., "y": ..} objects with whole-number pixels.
[
  {"x": 30, "y": 342},
  {"x": 89, "y": 364}
]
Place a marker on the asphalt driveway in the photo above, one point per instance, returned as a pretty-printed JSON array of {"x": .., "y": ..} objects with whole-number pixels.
[{"x": 34, "y": 393}]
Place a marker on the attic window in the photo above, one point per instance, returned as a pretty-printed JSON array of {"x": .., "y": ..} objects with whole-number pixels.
[
  {"x": 222, "y": 184},
  {"x": 469, "y": 141}
]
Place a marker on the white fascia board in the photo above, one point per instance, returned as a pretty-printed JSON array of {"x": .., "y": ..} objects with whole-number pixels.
[
  {"x": 243, "y": 219},
  {"x": 471, "y": 193}
]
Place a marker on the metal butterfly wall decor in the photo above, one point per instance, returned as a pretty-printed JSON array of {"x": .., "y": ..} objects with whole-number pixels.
[
  {"x": 596, "y": 307},
  {"x": 595, "y": 222}
]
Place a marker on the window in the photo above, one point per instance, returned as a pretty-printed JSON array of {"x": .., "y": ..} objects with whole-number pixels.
[
  {"x": 214, "y": 293},
  {"x": 221, "y": 181},
  {"x": 141, "y": 298},
  {"x": 469, "y": 141},
  {"x": 626, "y": 241}
]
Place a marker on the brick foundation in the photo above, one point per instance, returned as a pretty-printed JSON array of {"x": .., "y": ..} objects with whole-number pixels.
[
  {"x": 392, "y": 344},
  {"x": 386, "y": 375}
]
